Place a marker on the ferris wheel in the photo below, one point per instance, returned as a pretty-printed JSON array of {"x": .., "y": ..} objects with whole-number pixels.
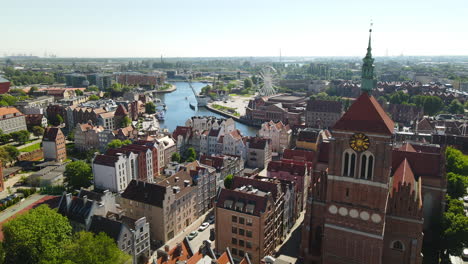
[{"x": 268, "y": 78}]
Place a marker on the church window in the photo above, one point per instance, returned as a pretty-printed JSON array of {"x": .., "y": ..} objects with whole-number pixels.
[
  {"x": 347, "y": 192},
  {"x": 398, "y": 245},
  {"x": 367, "y": 166},
  {"x": 349, "y": 163}
]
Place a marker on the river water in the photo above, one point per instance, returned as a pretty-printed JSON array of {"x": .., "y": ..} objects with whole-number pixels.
[{"x": 178, "y": 108}]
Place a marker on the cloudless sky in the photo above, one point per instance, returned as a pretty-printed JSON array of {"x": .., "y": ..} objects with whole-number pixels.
[{"x": 208, "y": 28}]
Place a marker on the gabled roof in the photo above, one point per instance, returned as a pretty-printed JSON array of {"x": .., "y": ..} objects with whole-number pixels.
[
  {"x": 110, "y": 227},
  {"x": 365, "y": 115},
  {"x": 51, "y": 133},
  {"x": 143, "y": 192},
  {"x": 407, "y": 147},
  {"x": 404, "y": 175},
  {"x": 121, "y": 111},
  {"x": 8, "y": 110}
]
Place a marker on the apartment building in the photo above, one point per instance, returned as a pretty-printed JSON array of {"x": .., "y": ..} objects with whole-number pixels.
[
  {"x": 323, "y": 113},
  {"x": 279, "y": 134},
  {"x": 11, "y": 120},
  {"x": 258, "y": 152},
  {"x": 53, "y": 144},
  {"x": 111, "y": 172},
  {"x": 254, "y": 212},
  {"x": 87, "y": 136}
]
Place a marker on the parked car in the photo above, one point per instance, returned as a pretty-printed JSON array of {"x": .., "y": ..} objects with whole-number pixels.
[
  {"x": 465, "y": 254},
  {"x": 192, "y": 235},
  {"x": 211, "y": 219},
  {"x": 204, "y": 226}
]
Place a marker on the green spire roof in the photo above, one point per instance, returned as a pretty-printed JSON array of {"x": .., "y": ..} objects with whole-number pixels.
[{"x": 367, "y": 78}]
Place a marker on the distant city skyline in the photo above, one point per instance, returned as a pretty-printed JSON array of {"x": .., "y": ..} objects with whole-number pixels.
[{"x": 243, "y": 28}]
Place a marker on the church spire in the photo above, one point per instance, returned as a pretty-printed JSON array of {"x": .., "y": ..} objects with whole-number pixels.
[{"x": 367, "y": 78}]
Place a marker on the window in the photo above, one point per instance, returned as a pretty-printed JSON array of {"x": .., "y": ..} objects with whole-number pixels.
[
  {"x": 249, "y": 233},
  {"x": 241, "y": 231},
  {"x": 248, "y": 244},
  {"x": 398, "y": 245},
  {"x": 234, "y": 230},
  {"x": 367, "y": 165},
  {"x": 241, "y": 243},
  {"x": 241, "y": 220},
  {"x": 234, "y": 241},
  {"x": 349, "y": 163},
  {"x": 234, "y": 251},
  {"x": 241, "y": 253},
  {"x": 234, "y": 219},
  {"x": 347, "y": 192},
  {"x": 249, "y": 221}
]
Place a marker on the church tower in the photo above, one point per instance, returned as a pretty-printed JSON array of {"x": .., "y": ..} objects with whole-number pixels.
[{"x": 358, "y": 178}]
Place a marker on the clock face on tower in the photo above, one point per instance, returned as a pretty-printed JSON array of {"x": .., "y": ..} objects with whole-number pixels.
[{"x": 359, "y": 142}]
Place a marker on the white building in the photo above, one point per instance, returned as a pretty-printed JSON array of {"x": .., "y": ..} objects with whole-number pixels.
[
  {"x": 111, "y": 172},
  {"x": 11, "y": 120},
  {"x": 279, "y": 134},
  {"x": 233, "y": 144}
]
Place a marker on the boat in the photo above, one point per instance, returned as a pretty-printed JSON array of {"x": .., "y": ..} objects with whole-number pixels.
[
  {"x": 186, "y": 98},
  {"x": 165, "y": 107},
  {"x": 192, "y": 106},
  {"x": 160, "y": 115}
]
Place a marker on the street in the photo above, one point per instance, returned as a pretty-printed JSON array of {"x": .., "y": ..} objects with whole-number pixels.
[{"x": 11, "y": 182}]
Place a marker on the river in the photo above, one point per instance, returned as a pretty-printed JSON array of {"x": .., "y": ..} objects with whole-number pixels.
[{"x": 178, "y": 109}]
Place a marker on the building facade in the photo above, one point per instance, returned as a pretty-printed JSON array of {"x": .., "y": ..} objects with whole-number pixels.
[
  {"x": 279, "y": 134},
  {"x": 54, "y": 145},
  {"x": 11, "y": 120},
  {"x": 323, "y": 114}
]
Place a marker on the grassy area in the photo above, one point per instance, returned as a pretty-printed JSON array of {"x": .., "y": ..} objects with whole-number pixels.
[
  {"x": 230, "y": 110},
  {"x": 31, "y": 147}
]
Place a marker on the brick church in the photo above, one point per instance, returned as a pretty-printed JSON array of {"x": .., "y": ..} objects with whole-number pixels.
[{"x": 371, "y": 199}]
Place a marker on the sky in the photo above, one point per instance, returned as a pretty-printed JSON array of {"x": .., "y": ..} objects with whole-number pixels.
[{"x": 222, "y": 28}]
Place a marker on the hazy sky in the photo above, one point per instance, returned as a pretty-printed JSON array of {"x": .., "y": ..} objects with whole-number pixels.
[{"x": 205, "y": 28}]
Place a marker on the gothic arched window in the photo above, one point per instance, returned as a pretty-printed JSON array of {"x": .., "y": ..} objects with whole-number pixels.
[
  {"x": 349, "y": 163},
  {"x": 367, "y": 166}
]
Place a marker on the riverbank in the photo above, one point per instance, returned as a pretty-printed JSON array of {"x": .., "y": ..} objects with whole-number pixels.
[
  {"x": 168, "y": 90},
  {"x": 228, "y": 115}
]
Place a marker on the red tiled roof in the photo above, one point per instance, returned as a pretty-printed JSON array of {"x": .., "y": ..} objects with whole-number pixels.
[
  {"x": 174, "y": 257},
  {"x": 296, "y": 154},
  {"x": 223, "y": 259},
  {"x": 181, "y": 131},
  {"x": 365, "y": 115},
  {"x": 106, "y": 160},
  {"x": 422, "y": 164},
  {"x": 51, "y": 133},
  {"x": 8, "y": 110},
  {"x": 407, "y": 147}
]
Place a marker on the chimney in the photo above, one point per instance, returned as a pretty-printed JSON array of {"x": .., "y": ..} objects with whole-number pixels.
[
  {"x": 178, "y": 251},
  {"x": 176, "y": 179},
  {"x": 85, "y": 199},
  {"x": 162, "y": 254},
  {"x": 186, "y": 183},
  {"x": 166, "y": 248}
]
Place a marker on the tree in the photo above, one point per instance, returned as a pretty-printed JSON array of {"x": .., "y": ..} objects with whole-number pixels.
[
  {"x": 116, "y": 143},
  {"x": 59, "y": 120},
  {"x": 5, "y": 138},
  {"x": 175, "y": 157},
  {"x": 126, "y": 142},
  {"x": 92, "y": 88},
  {"x": 150, "y": 108},
  {"x": 78, "y": 174},
  {"x": 78, "y": 92},
  {"x": 456, "y": 161},
  {"x": 432, "y": 105},
  {"x": 12, "y": 151},
  {"x": 248, "y": 83},
  {"x": 456, "y": 185},
  {"x": 20, "y": 136},
  {"x": 454, "y": 236},
  {"x": 93, "y": 97},
  {"x": 89, "y": 248},
  {"x": 191, "y": 155},
  {"x": 126, "y": 121},
  {"x": 36, "y": 237},
  {"x": 32, "y": 90},
  {"x": 228, "y": 181},
  {"x": 38, "y": 131},
  {"x": 455, "y": 107}
]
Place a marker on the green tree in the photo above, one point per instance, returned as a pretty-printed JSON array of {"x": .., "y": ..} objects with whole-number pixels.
[
  {"x": 228, "y": 181},
  {"x": 456, "y": 161},
  {"x": 59, "y": 120},
  {"x": 125, "y": 122},
  {"x": 78, "y": 92},
  {"x": 32, "y": 90},
  {"x": 248, "y": 83},
  {"x": 21, "y": 136},
  {"x": 454, "y": 236},
  {"x": 5, "y": 138},
  {"x": 36, "y": 237},
  {"x": 175, "y": 157},
  {"x": 78, "y": 174},
  {"x": 93, "y": 97},
  {"x": 89, "y": 248},
  {"x": 191, "y": 155},
  {"x": 12, "y": 151},
  {"x": 455, "y": 107},
  {"x": 456, "y": 185},
  {"x": 92, "y": 88},
  {"x": 38, "y": 131},
  {"x": 432, "y": 105},
  {"x": 126, "y": 142},
  {"x": 150, "y": 108},
  {"x": 116, "y": 143}
]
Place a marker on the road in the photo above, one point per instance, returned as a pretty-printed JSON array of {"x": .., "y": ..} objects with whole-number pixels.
[
  {"x": 197, "y": 241},
  {"x": 289, "y": 250},
  {"x": 10, "y": 211}
]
